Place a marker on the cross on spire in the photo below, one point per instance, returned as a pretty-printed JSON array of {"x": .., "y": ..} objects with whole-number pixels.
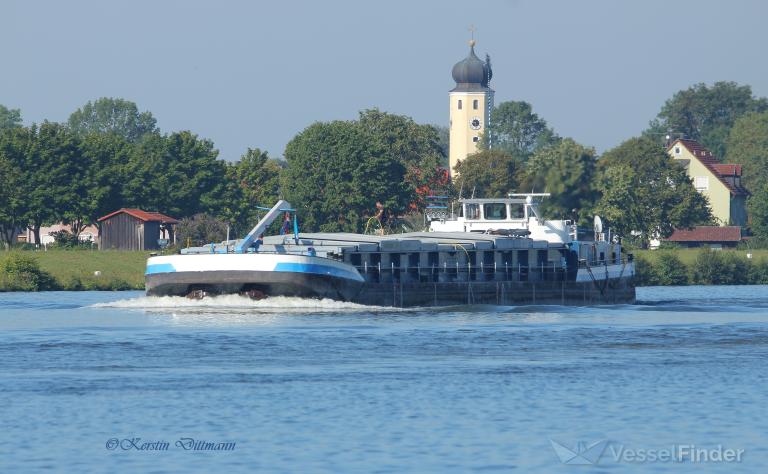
[{"x": 472, "y": 30}]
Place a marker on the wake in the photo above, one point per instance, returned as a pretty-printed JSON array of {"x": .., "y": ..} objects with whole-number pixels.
[{"x": 273, "y": 303}]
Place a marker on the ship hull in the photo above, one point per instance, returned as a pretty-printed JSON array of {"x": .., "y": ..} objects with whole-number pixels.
[
  {"x": 314, "y": 277},
  {"x": 505, "y": 293}
]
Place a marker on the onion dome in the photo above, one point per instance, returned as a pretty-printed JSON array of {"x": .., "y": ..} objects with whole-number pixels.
[{"x": 471, "y": 73}]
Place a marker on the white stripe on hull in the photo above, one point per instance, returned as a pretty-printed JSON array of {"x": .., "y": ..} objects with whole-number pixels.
[{"x": 604, "y": 272}]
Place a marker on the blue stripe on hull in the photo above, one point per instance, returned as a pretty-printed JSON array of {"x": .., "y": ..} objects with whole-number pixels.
[
  {"x": 160, "y": 268},
  {"x": 316, "y": 269}
]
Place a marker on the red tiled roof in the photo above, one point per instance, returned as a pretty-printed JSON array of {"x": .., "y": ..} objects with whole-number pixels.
[
  {"x": 145, "y": 216},
  {"x": 706, "y": 234},
  {"x": 708, "y": 159},
  {"x": 727, "y": 169}
]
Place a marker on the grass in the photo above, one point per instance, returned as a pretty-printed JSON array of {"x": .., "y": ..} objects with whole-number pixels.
[
  {"x": 74, "y": 269},
  {"x": 688, "y": 256},
  {"x": 124, "y": 270}
]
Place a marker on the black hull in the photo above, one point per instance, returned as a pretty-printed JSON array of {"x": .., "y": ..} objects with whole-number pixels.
[
  {"x": 613, "y": 291},
  {"x": 618, "y": 291}
]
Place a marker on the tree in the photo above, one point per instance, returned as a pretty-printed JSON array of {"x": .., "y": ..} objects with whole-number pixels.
[
  {"x": 517, "y": 130},
  {"x": 489, "y": 174},
  {"x": 444, "y": 136},
  {"x": 252, "y": 181},
  {"x": 757, "y": 205},
  {"x": 748, "y": 146},
  {"x": 706, "y": 114},
  {"x": 105, "y": 156},
  {"x": 566, "y": 170},
  {"x": 645, "y": 191},
  {"x": 13, "y": 207},
  {"x": 9, "y": 118},
  {"x": 176, "y": 174},
  {"x": 670, "y": 270},
  {"x": 54, "y": 175},
  {"x": 337, "y": 171},
  {"x": 114, "y": 116},
  {"x": 201, "y": 229},
  {"x": 417, "y": 147}
]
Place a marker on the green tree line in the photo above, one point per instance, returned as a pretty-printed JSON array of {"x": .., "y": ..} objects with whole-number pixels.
[
  {"x": 109, "y": 155},
  {"x": 709, "y": 268},
  {"x": 635, "y": 186}
]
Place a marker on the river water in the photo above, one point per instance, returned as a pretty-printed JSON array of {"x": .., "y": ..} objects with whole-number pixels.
[{"x": 117, "y": 382}]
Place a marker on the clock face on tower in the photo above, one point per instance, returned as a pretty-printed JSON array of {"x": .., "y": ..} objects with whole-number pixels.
[{"x": 474, "y": 123}]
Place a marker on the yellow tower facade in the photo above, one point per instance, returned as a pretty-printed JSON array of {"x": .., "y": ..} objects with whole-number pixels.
[{"x": 471, "y": 102}]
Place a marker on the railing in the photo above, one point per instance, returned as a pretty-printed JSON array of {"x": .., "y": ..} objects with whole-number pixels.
[{"x": 462, "y": 273}]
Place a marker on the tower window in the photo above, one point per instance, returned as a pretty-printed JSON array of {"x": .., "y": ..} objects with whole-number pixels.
[
  {"x": 459, "y": 104},
  {"x": 474, "y": 104},
  {"x": 475, "y": 139}
]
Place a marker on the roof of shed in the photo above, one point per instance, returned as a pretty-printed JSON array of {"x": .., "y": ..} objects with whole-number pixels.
[
  {"x": 145, "y": 216},
  {"x": 706, "y": 234}
]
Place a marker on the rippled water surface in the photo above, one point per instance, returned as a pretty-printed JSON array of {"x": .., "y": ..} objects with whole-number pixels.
[{"x": 318, "y": 386}]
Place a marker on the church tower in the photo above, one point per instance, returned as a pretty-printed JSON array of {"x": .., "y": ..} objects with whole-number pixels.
[{"x": 471, "y": 102}]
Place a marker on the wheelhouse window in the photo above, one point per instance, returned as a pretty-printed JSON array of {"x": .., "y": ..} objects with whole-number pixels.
[
  {"x": 472, "y": 211},
  {"x": 495, "y": 211},
  {"x": 516, "y": 211}
]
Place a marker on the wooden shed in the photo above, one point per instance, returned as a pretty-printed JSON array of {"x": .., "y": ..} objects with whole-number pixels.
[{"x": 134, "y": 229}]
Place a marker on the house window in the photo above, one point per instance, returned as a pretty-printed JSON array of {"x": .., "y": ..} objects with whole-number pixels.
[
  {"x": 677, "y": 148},
  {"x": 459, "y": 104},
  {"x": 701, "y": 183},
  {"x": 475, "y": 104}
]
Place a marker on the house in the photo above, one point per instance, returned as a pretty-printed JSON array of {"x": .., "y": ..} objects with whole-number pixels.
[
  {"x": 707, "y": 236},
  {"x": 88, "y": 234},
  {"x": 134, "y": 229},
  {"x": 719, "y": 182}
]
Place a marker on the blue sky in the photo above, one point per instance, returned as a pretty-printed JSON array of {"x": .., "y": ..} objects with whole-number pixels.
[{"x": 253, "y": 74}]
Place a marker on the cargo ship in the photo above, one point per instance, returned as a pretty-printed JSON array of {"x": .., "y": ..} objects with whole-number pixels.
[{"x": 476, "y": 251}]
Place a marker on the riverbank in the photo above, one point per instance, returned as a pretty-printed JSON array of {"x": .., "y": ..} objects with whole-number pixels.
[
  {"x": 72, "y": 270},
  {"x": 701, "y": 267},
  {"x": 76, "y": 270}
]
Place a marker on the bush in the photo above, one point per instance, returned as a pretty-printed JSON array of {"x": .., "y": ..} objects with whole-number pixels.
[
  {"x": 24, "y": 246},
  {"x": 753, "y": 243},
  {"x": 735, "y": 269},
  {"x": 200, "y": 229},
  {"x": 22, "y": 273},
  {"x": 644, "y": 272},
  {"x": 66, "y": 240},
  {"x": 721, "y": 268},
  {"x": 758, "y": 272},
  {"x": 670, "y": 270},
  {"x": 707, "y": 268}
]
